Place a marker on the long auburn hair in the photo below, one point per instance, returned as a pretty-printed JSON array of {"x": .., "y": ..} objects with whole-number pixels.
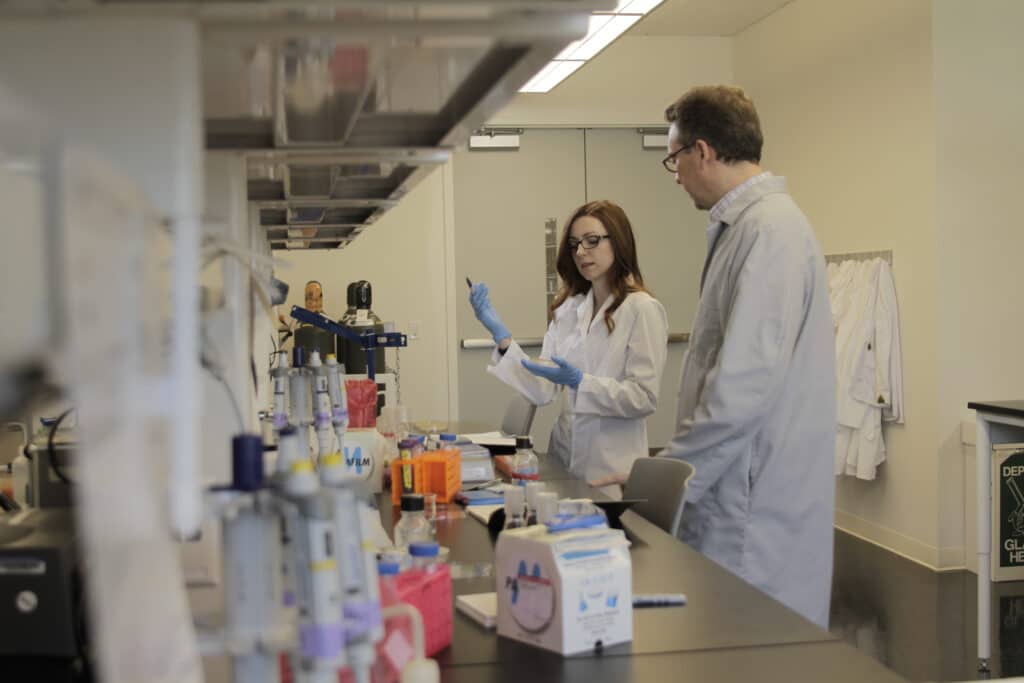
[{"x": 623, "y": 275}]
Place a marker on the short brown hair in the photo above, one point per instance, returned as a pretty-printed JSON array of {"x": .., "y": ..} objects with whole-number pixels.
[
  {"x": 625, "y": 271},
  {"x": 722, "y": 116}
]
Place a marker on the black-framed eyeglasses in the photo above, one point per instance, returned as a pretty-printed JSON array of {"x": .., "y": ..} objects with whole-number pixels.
[
  {"x": 670, "y": 162},
  {"x": 589, "y": 242}
]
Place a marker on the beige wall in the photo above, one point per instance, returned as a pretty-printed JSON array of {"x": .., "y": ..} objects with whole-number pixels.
[
  {"x": 628, "y": 84},
  {"x": 405, "y": 257},
  {"x": 845, "y": 95},
  {"x": 979, "y": 109}
]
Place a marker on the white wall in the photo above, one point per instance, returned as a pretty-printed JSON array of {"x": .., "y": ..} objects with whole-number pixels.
[
  {"x": 979, "y": 106},
  {"x": 405, "y": 257},
  {"x": 844, "y": 91},
  {"x": 629, "y": 84}
]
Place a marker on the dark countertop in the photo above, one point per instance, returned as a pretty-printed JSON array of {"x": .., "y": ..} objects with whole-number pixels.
[
  {"x": 728, "y": 631},
  {"x": 1011, "y": 408},
  {"x": 803, "y": 663}
]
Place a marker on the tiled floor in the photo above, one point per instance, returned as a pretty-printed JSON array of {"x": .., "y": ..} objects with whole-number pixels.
[{"x": 917, "y": 622}]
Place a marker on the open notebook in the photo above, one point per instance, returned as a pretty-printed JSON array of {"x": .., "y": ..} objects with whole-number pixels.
[{"x": 480, "y": 607}]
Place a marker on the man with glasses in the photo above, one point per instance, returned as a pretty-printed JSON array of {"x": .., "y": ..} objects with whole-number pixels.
[{"x": 756, "y": 412}]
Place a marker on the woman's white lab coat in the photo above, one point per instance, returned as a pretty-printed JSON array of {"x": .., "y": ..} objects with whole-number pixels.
[{"x": 602, "y": 426}]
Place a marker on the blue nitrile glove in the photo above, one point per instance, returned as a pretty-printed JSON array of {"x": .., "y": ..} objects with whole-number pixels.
[
  {"x": 566, "y": 374},
  {"x": 486, "y": 314}
]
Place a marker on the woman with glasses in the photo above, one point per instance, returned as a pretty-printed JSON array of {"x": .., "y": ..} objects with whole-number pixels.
[{"x": 603, "y": 353}]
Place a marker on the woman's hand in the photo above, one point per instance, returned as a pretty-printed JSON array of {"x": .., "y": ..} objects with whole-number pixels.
[
  {"x": 485, "y": 313},
  {"x": 565, "y": 373}
]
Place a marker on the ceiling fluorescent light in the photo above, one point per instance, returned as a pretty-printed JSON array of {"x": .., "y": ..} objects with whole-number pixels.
[
  {"x": 595, "y": 24},
  {"x": 553, "y": 74},
  {"x": 637, "y": 6},
  {"x": 602, "y": 29},
  {"x": 615, "y": 27},
  {"x": 531, "y": 85}
]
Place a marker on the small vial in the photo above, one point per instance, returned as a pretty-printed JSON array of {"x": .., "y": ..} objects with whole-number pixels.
[
  {"x": 406, "y": 453},
  {"x": 547, "y": 506},
  {"x": 533, "y": 488},
  {"x": 424, "y": 555},
  {"x": 413, "y": 526},
  {"x": 515, "y": 499},
  {"x": 388, "y": 572},
  {"x": 525, "y": 466}
]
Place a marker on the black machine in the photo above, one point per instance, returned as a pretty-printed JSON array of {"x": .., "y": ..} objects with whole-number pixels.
[{"x": 42, "y": 606}]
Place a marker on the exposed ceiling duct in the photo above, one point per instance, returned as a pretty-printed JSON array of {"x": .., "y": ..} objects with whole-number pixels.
[
  {"x": 344, "y": 107},
  {"x": 341, "y": 106}
]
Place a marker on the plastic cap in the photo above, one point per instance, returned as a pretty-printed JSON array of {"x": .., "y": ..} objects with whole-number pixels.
[
  {"x": 412, "y": 502},
  {"x": 421, "y": 671},
  {"x": 523, "y": 442},
  {"x": 247, "y": 462},
  {"x": 424, "y": 549},
  {"x": 446, "y": 436},
  {"x": 388, "y": 568},
  {"x": 299, "y": 357}
]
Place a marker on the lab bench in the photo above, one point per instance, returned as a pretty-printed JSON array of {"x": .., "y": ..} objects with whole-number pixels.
[{"x": 728, "y": 631}]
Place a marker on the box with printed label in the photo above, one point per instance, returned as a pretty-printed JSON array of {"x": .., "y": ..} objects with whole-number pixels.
[
  {"x": 568, "y": 592},
  {"x": 363, "y": 455}
]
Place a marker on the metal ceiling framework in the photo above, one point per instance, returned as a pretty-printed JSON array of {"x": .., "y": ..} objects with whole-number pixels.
[
  {"x": 350, "y": 104},
  {"x": 341, "y": 106}
]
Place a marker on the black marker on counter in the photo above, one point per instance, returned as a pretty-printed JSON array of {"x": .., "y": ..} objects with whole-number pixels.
[{"x": 659, "y": 600}]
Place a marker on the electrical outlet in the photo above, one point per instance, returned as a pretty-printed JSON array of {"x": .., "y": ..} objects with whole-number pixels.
[{"x": 414, "y": 329}]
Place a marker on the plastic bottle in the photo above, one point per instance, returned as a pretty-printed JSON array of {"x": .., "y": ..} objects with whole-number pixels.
[
  {"x": 525, "y": 466},
  {"x": 547, "y": 506},
  {"x": 514, "y": 502},
  {"x": 388, "y": 572},
  {"x": 446, "y": 440},
  {"x": 413, "y": 526},
  {"x": 424, "y": 555},
  {"x": 533, "y": 488}
]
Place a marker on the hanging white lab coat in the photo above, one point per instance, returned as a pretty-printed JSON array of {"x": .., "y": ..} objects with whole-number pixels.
[
  {"x": 602, "y": 427},
  {"x": 756, "y": 413},
  {"x": 869, "y": 363}
]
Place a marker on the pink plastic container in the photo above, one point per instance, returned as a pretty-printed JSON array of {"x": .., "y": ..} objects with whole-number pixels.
[{"x": 431, "y": 593}]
